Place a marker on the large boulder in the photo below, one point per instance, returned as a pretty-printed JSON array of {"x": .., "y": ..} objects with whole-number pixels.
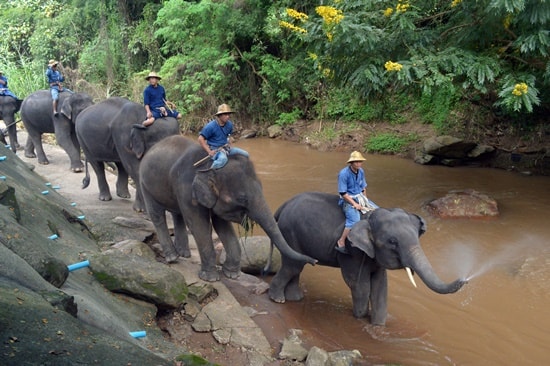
[
  {"x": 452, "y": 151},
  {"x": 463, "y": 204},
  {"x": 255, "y": 251}
]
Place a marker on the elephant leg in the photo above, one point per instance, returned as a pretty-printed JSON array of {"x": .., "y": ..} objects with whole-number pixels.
[
  {"x": 289, "y": 270},
  {"x": 379, "y": 297},
  {"x": 12, "y": 133},
  {"x": 181, "y": 241},
  {"x": 104, "y": 191},
  {"x": 293, "y": 291},
  {"x": 139, "y": 205},
  {"x": 65, "y": 140},
  {"x": 37, "y": 143},
  {"x": 158, "y": 217},
  {"x": 357, "y": 275},
  {"x": 226, "y": 232},
  {"x": 29, "y": 148},
  {"x": 198, "y": 220},
  {"x": 122, "y": 181}
]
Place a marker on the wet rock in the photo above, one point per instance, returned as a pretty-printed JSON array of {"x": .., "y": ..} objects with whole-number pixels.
[
  {"x": 255, "y": 251},
  {"x": 134, "y": 247},
  {"x": 201, "y": 291},
  {"x": 140, "y": 278},
  {"x": 248, "y": 134},
  {"x": 448, "y": 147},
  {"x": 460, "y": 204},
  {"x": 343, "y": 358},
  {"x": 8, "y": 199},
  {"x": 292, "y": 348},
  {"x": 317, "y": 357}
]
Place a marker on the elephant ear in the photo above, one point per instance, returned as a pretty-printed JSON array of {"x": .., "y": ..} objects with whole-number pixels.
[
  {"x": 360, "y": 237},
  {"x": 419, "y": 221},
  {"x": 205, "y": 191},
  {"x": 137, "y": 142},
  {"x": 67, "y": 107}
]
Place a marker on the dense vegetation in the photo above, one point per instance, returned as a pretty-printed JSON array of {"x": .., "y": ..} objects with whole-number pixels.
[{"x": 440, "y": 61}]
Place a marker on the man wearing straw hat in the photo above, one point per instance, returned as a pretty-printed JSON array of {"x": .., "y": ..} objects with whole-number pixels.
[
  {"x": 55, "y": 80},
  {"x": 352, "y": 187},
  {"x": 215, "y": 138},
  {"x": 154, "y": 98}
]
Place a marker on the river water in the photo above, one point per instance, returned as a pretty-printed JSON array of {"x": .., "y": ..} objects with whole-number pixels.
[{"x": 501, "y": 317}]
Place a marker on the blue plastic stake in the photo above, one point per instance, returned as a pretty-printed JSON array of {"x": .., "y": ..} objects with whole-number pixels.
[
  {"x": 2, "y": 158},
  {"x": 73, "y": 204},
  {"x": 78, "y": 265},
  {"x": 2, "y": 177},
  {"x": 56, "y": 187},
  {"x": 7, "y": 146},
  {"x": 45, "y": 192},
  {"x": 48, "y": 184},
  {"x": 138, "y": 334},
  {"x": 53, "y": 237},
  {"x": 81, "y": 217}
]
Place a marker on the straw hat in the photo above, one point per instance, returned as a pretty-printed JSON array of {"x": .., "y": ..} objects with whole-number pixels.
[
  {"x": 52, "y": 62},
  {"x": 223, "y": 109},
  {"x": 152, "y": 74},
  {"x": 356, "y": 156}
]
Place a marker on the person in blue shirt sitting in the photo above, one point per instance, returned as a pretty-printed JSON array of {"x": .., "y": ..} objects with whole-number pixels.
[
  {"x": 215, "y": 138},
  {"x": 154, "y": 98},
  {"x": 352, "y": 187},
  {"x": 55, "y": 80},
  {"x": 4, "y": 89}
]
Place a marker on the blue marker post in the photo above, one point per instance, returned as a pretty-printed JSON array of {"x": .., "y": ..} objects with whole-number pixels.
[
  {"x": 53, "y": 237},
  {"x": 2, "y": 158},
  {"x": 45, "y": 192},
  {"x": 78, "y": 265},
  {"x": 138, "y": 334},
  {"x": 81, "y": 217}
]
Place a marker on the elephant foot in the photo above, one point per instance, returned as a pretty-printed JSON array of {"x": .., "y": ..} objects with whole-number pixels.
[
  {"x": 185, "y": 253},
  {"x": 30, "y": 155},
  {"x": 44, "y": 162},
  {"x": 171, "y": 258},
  {"x": 231, "y": 274},
  {"x": 105, "y": 197},
  {"x": 294, "y": 295},
  {"x": 124, "y": 194},
  {"x": 210, "y": 276},
  {"x": 138, "y": 208},
  {"x": 280, "y": 299},
  {"x": 77, "y": 170}
]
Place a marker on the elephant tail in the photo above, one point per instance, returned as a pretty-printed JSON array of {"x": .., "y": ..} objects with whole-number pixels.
[
  {"x": 86, "y": 180},
  {"x": 265, "y": 270}
]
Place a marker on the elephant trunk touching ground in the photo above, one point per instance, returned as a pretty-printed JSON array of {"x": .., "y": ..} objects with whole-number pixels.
[
  {"x": 261, "y": 214},
  {"x": 417, "y": 261}
]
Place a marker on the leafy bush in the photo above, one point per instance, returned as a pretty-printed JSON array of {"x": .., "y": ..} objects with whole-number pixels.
[
  {"x": 389, "y": 143},
  {"x": 288, "y": 118}
]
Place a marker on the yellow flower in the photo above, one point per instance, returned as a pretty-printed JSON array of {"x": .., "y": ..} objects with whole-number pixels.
[
  {"x": 388, "y": 12},
  {"x": 296, "y": 14},
  {"x": 312, "y": 56},
  {"x": 455, "y": 3},
  {"x": 329, "y": 36},
  {"x": 393, "y": 66},
  {"x": 292, "y": 27},
  {"x": 330, "y": 14},
  {"x": 402, "y": 6},
  {"x": 520, "y": 89}
]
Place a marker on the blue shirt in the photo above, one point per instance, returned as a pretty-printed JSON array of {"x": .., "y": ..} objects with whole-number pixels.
[
  {"x": 54, "y": 76},
  {"x": 154, "y": 96},
  {"x": 350, "y": 182},
  {"x": 216, "y": 135},
  {"x": 5, "y": 82}
]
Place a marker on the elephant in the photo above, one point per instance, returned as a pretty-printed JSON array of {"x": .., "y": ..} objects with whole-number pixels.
[
  {"x": 202, "y": 199},
  {"x": 311, "y": 223},
  {"x": 38, "y": 118},
  {"x": 107, "y": 133},
  {"x": 8, "y": 108}
]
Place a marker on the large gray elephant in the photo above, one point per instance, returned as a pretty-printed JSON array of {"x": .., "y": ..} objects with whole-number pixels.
[
  {"x": 312, "y": 222},
  {"x": 107, "y": 133},
  {"x": 8, "y": 108},
  {"x": 204, "y": 199},
  {"x": 38, "y": 118}
]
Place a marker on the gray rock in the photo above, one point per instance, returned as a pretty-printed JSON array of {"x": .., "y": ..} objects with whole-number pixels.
[
  {"x": 316, "y": 357},
  {"x": 255, "y": 251},
  {"x": 274, "y": 131},
  {"x": 466, "y": 203},
  {"x": 140, "y": 278},
  {"x": 448, "y": 147},
  {"x": 343, "y": 358},
  {"x": 292, "y": 349},
  {"x": 133, "y": 247},
  {"x": 480, "y": 151},
  {"x": 248, "y": 134}
]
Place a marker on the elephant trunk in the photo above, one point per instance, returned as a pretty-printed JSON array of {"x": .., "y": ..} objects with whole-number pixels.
[
  {"x": 262, "y": 215},
  {"x": 419, "y": 263}
]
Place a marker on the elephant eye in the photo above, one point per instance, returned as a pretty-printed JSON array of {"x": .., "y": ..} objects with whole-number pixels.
[
  {"x": 242, "y": 199},
  {"x": 392, "y": 242}
]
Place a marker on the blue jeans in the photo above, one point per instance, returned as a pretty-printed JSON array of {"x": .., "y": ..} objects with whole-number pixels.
[
  {"x": 7, "y": 92},
  {"x": 352, "y": 215},
  {"x": 220, "y": 158},
  {"x": 55, "y": 92}
]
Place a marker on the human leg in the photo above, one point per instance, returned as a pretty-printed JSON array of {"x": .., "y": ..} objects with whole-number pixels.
[
  {"x": 55, "y": 98},
  {"x": 220, "y": 159},
  {"x": 352, "y": 216},
  {"x": 236, "y": 150}
]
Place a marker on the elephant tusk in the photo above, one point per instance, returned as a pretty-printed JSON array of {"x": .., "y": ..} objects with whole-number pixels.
[{"x": 409, "y": 273}]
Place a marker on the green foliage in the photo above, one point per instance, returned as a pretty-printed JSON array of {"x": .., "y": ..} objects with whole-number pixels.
[
  {"x": 388, "y": 143},
  {"x": 435, "y": 107},
  {"x": 288, "y": 118}
]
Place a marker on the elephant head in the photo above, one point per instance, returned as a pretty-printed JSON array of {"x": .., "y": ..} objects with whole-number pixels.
[
  {"x": 234, "y": 193},
  {"x": 74, "y": 104},
  {"x": 392, "y": 240}
]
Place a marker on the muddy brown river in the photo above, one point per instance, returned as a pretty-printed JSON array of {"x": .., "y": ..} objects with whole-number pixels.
[{"x": 501, "y": 317}]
